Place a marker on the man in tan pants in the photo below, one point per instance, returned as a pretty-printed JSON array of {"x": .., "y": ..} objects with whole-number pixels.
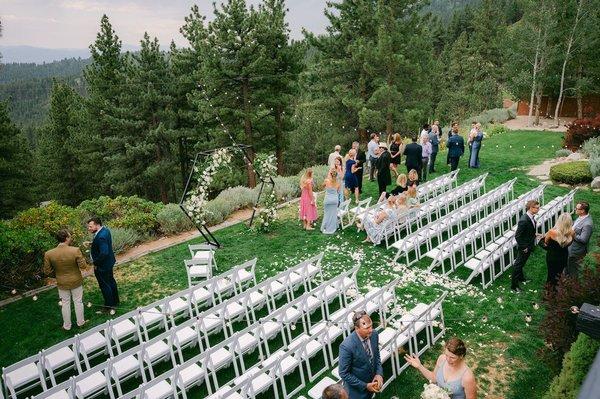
[{"x": 65, "y": 263}]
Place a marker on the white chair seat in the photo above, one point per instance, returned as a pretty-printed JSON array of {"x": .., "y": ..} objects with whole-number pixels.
[
  {"x": 92, "y": 342},
  {"x": 312, "y": 269},
  {"x": 203, "y": 255},
  {"x": 200, "y": 295},
  {"x": 473, "y": 263},
  {"x": 312, "y": 347},
  {"x": 347, "y": 282},
  {"x": 191, "y": 375},
  {"x": 219, "y": 358},
  {"x": 126, "y": 366},
  {"x": 151, "y": 316},
  {"x": 222, "y": 391},
  {"x": 234, "y": 309},
  {"x": 211, "y": 321},
  {"x": 292, "y": 314},
  {"x": 492, "y": 246},
  {"x": 93, "y": 383},
  {"x": 224, "y": 285},
  {"x": 59, "y": 358},
  {"x": 246, "y": 342},
  {"x": 178, "y": 305},
  {"x": 330, "y": 292},
  {"x": 276, "y": 287},
  {"x": 386, "y": 336},
  {"x": 159, "y": 391},
  {"x": 244, "y": 275},
  {"x": 312, "y": 303},
  {"x": 198, "y": 271},
  {"x": 295, "y": 278},
  {"x": 402, "y": 339},
  {"x": 157, "y": 350},
  {"x": 22, "y": 375},
  {"x": 482, "y": 254},
  {"x": 270, "y": 328},
  {"x": 124, "y": 328},
  {"x": 185, "y": 335},
  {"x": 316, "y": 392},
  {"x": 257, "y": 298},
  {"x": 62, "y": 394}
]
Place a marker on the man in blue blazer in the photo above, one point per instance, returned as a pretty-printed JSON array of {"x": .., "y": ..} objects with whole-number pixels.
[
  {"x": 104, "y": 260},
  {"x": 456, "y": 147},
  {"x": 360, "y": 363}
]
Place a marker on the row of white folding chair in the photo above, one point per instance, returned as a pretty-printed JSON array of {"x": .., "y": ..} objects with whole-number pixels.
[
  {"x": 468, "y": 242},
  {"x": 445, "y": 226},
  {"x": 399, "y": 330},
  {"x": 127, "y": 364},
  {"x": 200, "y": 266},
  {"x": 485, "y": 260},
  {"x": 548, "y": 214},
  {"x": 223, "y": 354},
  {"x": 435, "y": 187},
  {"x": 343, "y": 214},
  {"x": 132, "y": 326},
  {"x": 441, "y": 205}
]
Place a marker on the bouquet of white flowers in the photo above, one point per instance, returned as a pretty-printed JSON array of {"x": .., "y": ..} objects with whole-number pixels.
[{"x": 432, "y": 391}]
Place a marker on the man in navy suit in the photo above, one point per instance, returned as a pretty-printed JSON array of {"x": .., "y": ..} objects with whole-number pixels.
[
  {"x": 360, "y": 363},
  {"x": 414, "y": 156},
  {"x": 104, "y": 261},
  {"x": 456, "y": 147}
]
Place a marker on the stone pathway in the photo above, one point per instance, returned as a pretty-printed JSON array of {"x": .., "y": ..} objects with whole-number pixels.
[{"x": 520, "y": 123}]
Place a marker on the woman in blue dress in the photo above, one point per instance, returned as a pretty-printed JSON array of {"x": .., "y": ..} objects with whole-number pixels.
[
  {"x": 475, "y": 144},
  {"x": 350, "y": 179},
  {"x": 330, "y": 204},
  {"x": 450, "y": 372}
]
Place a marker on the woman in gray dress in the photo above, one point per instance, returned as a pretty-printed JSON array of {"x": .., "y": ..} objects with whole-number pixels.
[{"x": 330, "y": 204}]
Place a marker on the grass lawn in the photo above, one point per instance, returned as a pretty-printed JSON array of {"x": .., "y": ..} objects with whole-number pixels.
[{"x": 505, "y": 352}]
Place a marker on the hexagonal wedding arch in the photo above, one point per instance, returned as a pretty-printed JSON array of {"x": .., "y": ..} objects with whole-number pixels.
[{"x": 204, "y": 168}]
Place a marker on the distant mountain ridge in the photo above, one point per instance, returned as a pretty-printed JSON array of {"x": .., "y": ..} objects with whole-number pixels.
[{"x": 40, "y": 55}]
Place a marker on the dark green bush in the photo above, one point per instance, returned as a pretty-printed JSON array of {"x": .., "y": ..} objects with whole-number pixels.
[
  {"x": 51, "y": 218},
  {"x": 576, "y": 364},
  {"x": 123, "y": 238},
  {"x": 22, "y": 256},
  {"x": 577, "y": 172},
  {"x": 127, "y": 212}
]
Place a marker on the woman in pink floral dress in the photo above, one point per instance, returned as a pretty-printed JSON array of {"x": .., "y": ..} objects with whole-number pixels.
[{"x": 308, "y": 208}]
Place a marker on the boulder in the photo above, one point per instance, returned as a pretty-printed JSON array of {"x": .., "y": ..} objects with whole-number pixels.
[{"x": 596, "y": 182}]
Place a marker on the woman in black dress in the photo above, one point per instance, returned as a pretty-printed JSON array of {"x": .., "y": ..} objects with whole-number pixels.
[
  {"x": 396, "y": 150},
  {"x": 556, "y": 243}
]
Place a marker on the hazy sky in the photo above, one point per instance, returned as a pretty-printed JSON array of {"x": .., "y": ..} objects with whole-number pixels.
[{"x": 74, "y": 23}]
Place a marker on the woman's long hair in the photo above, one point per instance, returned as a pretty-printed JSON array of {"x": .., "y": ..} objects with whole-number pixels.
[
  {"x": 307, "y": 175},
  {"x": 350, "y": 154},
  {"x": 564, "y": 230}
]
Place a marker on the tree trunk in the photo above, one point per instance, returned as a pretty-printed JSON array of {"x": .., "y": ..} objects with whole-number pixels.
[
  {"x": 248, "y": 133},
  {"x": 566, "y": 60},
  {"x": 389, "y": 127},
  {"x": 279, "y": 144},
  {"x": 538, "y": 105},
  {"x": 362, "y": 135},
  {"x": 534, "y": 82}
]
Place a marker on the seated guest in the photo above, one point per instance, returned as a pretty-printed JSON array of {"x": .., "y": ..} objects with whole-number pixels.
[
  {"x": 399, "y": 189},
  {"x": 450, "y": 372},
  {"x": 413, "y": 178},
  {"x": 373, "y": 224},
  {"x": 412, "y": 199},
  {"x": 334, "y": 391}
]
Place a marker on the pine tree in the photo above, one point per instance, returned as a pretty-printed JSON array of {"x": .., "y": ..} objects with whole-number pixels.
[
  {"x": 16, "y": 178},
  {"x": 61, "y": 156},
  {"x": 105, "y": 80}
]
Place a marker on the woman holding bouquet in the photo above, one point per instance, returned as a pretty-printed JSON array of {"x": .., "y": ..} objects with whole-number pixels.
[
  {"x": 451, "y": 373},
  {"x": 308, "y": 208}
]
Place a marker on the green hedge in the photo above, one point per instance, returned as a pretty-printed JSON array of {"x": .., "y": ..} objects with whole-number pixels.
[
  {"x": 576, "y": 364},
  {"x": 577, "y": 172}
]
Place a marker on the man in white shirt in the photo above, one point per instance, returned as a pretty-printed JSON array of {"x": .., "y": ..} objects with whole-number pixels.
[
  {"x": 335, "y": 154},
  {"x": 373, "y": 154}
]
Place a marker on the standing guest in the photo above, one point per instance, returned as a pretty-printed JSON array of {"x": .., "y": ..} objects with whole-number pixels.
[
  {"x": 424, "y": 131},
  {"x": 308, "y": 208},
  {"x": 350, "y": 179},
  {"x": 474, "y": 141},
  {"x": 434, "y": 139},
  {"x": 450, "y": 372},
  {"x": 384, "y": 176},
  {"x": 333, "y": 156},
  {"x": 525, "y": 237},
  {"x": 372, "y": 148},
  {"x": 583, "y": 227},
  {"x": 414, "y": 155},
  {"x": 456, "y": 147},
  {"x": 396, "y": 149},
  {"x": 361, "y": 161},
  {"x": 330, "y": 204},
  {"x": 339, "y": 168},
  {"x": 334, "y": 391},
  {"x": 556, "y": 243},
  {"x": 360, "y": 363},
  {"x": 436, "y": 123},
  {"x": 104, "y": 261},
  {"x": 427, "y": 150},
  {"x": 65, "y": 264},
  {"x": 413, "y": 178}
]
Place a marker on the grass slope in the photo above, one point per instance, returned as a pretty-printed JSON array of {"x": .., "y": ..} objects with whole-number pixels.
[{"x": 504, "y": 351}]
